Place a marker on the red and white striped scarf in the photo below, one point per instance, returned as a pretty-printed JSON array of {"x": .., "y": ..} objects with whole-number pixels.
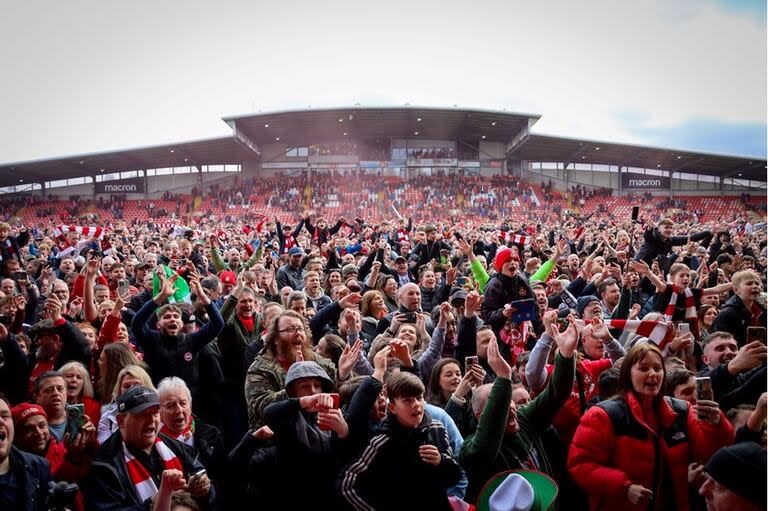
[
  {"x": 402, "y": 235},
  {"x": 140, "y": 476},
  {"x": 517, "y": 239},
  {"x": 690, "y": 305},
  {"x": 187, "y": 435},
  {"x": 658, "y": 332},
  {"x": 96, "y": 232}
]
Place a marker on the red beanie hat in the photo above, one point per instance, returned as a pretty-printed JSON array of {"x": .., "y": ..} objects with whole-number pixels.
[
  {"x": 504, "y": 255},
  {"x": 22, "y": 412}
]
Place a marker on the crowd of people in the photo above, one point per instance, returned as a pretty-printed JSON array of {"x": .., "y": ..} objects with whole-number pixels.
[
  {"x": 428, "y": 362},
  {"x": 431, "y": 153}
]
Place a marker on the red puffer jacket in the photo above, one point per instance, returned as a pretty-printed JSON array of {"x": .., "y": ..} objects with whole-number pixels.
[{"x": 613, "y": 447}]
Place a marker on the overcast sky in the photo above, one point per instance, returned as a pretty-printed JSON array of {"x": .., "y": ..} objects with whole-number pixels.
[{"x": 81, "y": 76}]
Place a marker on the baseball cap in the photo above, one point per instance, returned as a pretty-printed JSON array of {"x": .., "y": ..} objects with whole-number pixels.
[
  {"x": 348, "y": 270},
  {"x": 399, "y": 259},
  {"x": 458, "y": 295},
  {"x": 228, "y": 277},
  {"x": 295, "y": 251},
  {"x": 137, "y": 399},
  {"x": 23, "y": 411}
]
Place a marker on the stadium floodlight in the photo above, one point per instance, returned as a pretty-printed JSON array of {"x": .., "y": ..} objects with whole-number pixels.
[
  {"x": 341, "y": 120},
  {"x": 173, "y": 150},
  {"x": 415, "y": 132},
  {"x": 345, "y": 133},
  {"x": 266, "y": 125},
  {"x": 493, "y": 123},
  {"x": 483, "y": 137},
  {"x": 597, "y": 148},
  {"x": 418, "y": 120},
  {"x": 277, "y": 139}
]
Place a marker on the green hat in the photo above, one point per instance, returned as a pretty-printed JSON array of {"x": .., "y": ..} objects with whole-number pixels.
[{"x": 544, "y": 490}]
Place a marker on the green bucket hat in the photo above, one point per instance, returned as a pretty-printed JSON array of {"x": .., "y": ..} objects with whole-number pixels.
[{"x": 506, "y": 490}]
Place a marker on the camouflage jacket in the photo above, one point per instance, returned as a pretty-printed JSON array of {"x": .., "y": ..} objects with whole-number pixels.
[{"x": 265, "y": 384}]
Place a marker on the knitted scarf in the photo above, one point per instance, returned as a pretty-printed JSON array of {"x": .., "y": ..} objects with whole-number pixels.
[
  {"x": 96, "y": 232},
  {"x": 140, "y": 477},
  {"x": 186, "y": 436},
  {"x": 690, "y": 304},
  {"x": 690, "y": 309}
]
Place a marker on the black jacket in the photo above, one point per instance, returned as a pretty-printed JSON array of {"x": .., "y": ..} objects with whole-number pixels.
[
  {"x": 391, "y": 460},
  {"x": 423, "y": 253},
  {"x": 174, "y": 356},
  {"x": 108, "y": 486},
  {"x": 300, "y": 443},
  {"x": 735, "y": 318},
  {"x": 32, "y": 474},
  {"x": 501, "y": 290},
  {"x": 654, "y": 244},
  {"x": 138, "y": 301}
]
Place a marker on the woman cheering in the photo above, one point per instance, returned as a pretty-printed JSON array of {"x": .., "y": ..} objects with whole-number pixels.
[{"x": 633, "y": 451}]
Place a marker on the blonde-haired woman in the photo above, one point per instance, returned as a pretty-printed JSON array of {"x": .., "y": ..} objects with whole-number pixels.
[
  {"x": 128, "y": 377},
  {"x": 80, "y": 389}
]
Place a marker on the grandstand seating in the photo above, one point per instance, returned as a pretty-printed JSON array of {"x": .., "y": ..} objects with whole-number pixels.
[{"x": 426, "y": 198}]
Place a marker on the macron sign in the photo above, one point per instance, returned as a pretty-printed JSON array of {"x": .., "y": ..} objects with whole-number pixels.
[
  {"x": 135, "y": 185},
  {"x": 644, "y": 182}
]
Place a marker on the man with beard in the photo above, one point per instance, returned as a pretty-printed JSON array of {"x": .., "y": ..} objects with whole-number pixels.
[
  {"x": 738, "y": 375},
  {"x": 168, "y": 351},
  {"x": 224, "y": 363},
  {"x": 24, "y": 477},
  {"x": 130, "y": 468},
  {"x": 68, "y": 459},
  {"x": 286, "y": 342},
  {"x": 509, "y": 437}
]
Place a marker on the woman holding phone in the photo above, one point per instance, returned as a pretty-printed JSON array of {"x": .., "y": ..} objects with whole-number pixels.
[
  {"x": 449, "y": 389},
  {"x": 633, "y": 451}
]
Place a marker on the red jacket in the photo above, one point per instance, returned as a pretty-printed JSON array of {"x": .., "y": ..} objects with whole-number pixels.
[
  {"x": 613, "y": 447},
  {"x": 567, "y": 419}
]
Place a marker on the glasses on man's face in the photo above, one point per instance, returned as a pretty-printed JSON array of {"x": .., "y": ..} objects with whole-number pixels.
[{"x": 292, "y": 330}]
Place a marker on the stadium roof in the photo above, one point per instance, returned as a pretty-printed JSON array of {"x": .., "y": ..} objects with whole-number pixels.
[
  {"x": 214, "y": 151},
  {"x": 302, "y": 127},
  {"x": 296, "y": 127},
  {"x": 546, "y": 148}
]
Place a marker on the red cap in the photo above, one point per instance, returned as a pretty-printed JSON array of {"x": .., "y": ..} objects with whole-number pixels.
[
  {"x": 228, "y": 277},
  {"x": 22, "y": 412}
]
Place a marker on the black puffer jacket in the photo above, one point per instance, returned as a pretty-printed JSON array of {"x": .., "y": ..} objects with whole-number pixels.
[{"x": 735, "y": 318}]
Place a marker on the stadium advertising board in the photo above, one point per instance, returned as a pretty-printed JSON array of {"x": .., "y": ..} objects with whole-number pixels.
[
  {"x": 631, "y": 181},
  {"x": 284, "y": 165},
  {"x": 432, "y": 162},
  {"x": 135, "y": 185}
]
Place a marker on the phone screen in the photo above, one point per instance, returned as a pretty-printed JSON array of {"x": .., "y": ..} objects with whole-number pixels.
[
  {"x": 756, "y": 333},
  {"x": 75, "y": 419}
]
